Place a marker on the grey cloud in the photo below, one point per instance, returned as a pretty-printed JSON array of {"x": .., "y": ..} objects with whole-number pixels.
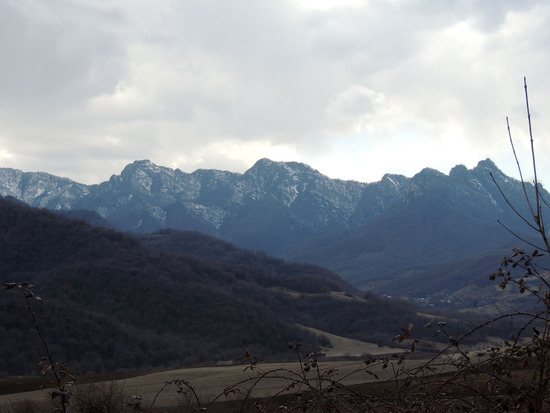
[
  {"x": 167, "y": 80},
  {"x": 57, "y": 53},
  {"x": 490, "y": 15}
]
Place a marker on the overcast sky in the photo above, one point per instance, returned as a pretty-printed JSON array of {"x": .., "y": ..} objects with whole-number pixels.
[{"x": 352, "y": 88}]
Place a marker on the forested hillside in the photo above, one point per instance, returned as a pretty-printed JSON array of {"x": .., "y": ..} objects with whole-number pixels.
[
  {"x": 268, "y": 270},
  {"x": 110, "y": 303}
]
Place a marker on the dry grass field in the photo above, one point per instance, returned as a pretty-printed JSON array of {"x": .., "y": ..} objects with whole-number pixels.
[
  {"x": 159, "y": 392},
  {"x": 158, "y": 389},
  {"x": 210, "y": 382}
]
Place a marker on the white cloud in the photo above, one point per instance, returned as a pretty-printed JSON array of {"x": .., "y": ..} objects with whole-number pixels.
[{"x": 354, "y": 88}]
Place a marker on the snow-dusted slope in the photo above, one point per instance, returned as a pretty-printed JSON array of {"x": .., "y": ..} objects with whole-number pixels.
[{"x": 269, "y": 207}]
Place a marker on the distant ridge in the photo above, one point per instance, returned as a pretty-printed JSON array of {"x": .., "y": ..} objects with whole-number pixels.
[{"x": 369, "y": 233}]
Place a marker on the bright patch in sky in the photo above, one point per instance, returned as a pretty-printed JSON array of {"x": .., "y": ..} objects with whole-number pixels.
[{"x": 327, "y": 5}]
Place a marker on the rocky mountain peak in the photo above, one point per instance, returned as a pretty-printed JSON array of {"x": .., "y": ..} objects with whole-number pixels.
[
  {"x": 144, "y": 164},
  {"x": 428, "y": 179},
  {"x": 458, "y": 171},
  {"x": 487, "y": 164},
  {"x": 394, "y": 181},
  {"x": 145, "y": 177},
  {"x": 268, "y": 168},
  {"x": 486, "y": 167},
  {"x": 427, "y": 173},
  {"x": 40, "y": 189},
  {"x": 145, "y": 167}
]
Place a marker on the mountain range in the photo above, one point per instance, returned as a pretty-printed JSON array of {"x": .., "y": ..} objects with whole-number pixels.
[{"x": 374, "y": 235}]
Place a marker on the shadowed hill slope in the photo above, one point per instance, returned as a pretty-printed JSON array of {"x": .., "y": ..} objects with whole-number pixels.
[
  {"x": 112, "y": 304},
  {"x": 310, "y": 277}
]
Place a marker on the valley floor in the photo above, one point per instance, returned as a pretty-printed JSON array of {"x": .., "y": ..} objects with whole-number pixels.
[{"x": 210, "y": 382}]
